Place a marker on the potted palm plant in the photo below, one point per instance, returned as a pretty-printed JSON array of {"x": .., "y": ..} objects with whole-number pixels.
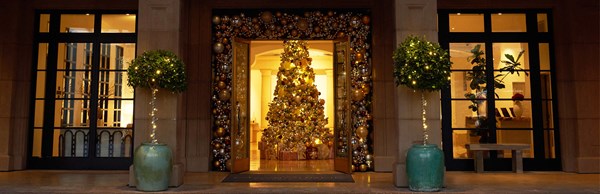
[
  {"x": 425, "y": 67},
  {"x": 154, "y": 70}
]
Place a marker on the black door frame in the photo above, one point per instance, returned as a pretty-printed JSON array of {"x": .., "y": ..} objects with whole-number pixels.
[
  {"x": 53, "y": 38},
  {"x": 533, "y": 38}
]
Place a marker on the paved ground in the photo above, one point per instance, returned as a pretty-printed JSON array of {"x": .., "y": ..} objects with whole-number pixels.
[{"x": 50, "y": 181}]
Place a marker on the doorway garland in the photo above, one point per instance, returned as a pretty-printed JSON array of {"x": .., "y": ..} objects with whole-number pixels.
[{"x": 283, "y": 25}]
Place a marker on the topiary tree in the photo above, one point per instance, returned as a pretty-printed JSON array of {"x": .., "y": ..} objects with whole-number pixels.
[
  {"x": 421, "y": 65},
  {"x": 154, "y": 70}
]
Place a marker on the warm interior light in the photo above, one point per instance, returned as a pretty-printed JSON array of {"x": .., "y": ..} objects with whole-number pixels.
[{"x": 317, "y": 141}]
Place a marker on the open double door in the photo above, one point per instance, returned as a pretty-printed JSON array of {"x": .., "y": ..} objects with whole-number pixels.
[{"x": 240, "y": 130}]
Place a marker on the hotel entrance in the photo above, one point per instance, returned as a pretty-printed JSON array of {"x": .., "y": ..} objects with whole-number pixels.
[{"x": 320, "y": 120}]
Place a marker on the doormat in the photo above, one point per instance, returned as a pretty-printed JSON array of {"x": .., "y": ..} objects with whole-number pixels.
[{"x": 289, "y": 178}]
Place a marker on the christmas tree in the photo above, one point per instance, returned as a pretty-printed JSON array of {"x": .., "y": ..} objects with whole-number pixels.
[{"x": 296, "y": 117}]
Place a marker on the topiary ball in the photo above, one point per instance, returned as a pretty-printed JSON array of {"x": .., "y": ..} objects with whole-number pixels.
[
  {"x": 157, "y": 69},
  {"x": 421, "y": 65}
]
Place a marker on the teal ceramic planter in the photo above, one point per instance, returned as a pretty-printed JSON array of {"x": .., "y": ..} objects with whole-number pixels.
[
  {"x": 152, "y": 167},
  {"x": 425, "y": 168}
]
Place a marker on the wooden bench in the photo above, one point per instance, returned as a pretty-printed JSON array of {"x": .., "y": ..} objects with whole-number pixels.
[{"x": 516, "y": 150}]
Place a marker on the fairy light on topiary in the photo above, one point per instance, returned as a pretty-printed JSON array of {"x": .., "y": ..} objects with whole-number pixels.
[
  {"x": 424, "y": 66},
  {"x": 157, "y": 69}
]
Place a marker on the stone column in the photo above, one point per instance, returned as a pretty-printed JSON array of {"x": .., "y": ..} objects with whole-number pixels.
[
  {"x": 266, "y": 95},
  {"x": 415, "y": 17},
  {"x": 158, "y": 28}
]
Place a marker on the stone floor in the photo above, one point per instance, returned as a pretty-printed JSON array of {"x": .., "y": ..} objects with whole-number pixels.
[{"x": 53, "y": 181}]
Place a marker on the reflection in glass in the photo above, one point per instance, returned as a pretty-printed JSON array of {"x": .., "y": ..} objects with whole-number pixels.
[
  {"x": 542, "y": 22},
  {"x": 70, "y": 112},
  {"x": 544, "y": 56},
  {"x": 44, "y": 22},
  {"x": 42, "y": 55},
  {"x": 114, "y": 143},
  {"x": 71, "y": 143},
  {"x": 508, "y": 22},
  {"x": 77, "y": 23},
  {"x": 515, "y": 136},
  {"x": 549, "y": 144},
  {"x": 547, "y": 114},
  {"x": 74, "y": 56},
  {"x": 115, "y": 113},
  {"x": 118, "y": 23},
  {"x": 466, "y": 22}
]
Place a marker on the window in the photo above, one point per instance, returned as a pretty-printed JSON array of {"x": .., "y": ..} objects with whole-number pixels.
[
  {"x": 83, "y": 107},
  {"x": 491, "y": 99}
]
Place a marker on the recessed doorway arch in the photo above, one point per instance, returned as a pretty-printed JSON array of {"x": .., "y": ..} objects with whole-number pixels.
[{"x": 287, "y": 24}]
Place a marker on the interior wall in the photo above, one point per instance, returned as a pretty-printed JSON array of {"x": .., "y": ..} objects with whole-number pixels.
[{"x": 196, "y": 50}]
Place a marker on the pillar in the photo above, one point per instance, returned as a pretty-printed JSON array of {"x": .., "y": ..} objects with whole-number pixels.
[
  {"x": 414, "y": 17},
  {"x": 158, "y": 28}
]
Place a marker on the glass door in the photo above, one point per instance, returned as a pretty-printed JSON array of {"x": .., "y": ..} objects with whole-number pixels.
[
  {"x": 342, "y": 127},
  {"x": 83, "y": 108},
  {"x": 240, "y": 121}
]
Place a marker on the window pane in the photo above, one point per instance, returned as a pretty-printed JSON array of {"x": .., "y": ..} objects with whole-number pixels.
[
  {"x": 515, "y": 136},
  {"x": 72, "y": 113},
  {"x": 459, "y": 84},
  {"x": 73, "y": 84},
  {"x": 546, "y": 84},
  {"x": 70, "y": 143},
  {"x": 72, "y": 56},
  {"x": 38, "y": 120},
  {"x": 77, "y": 23},
  {"x": 502, "y": 49},
  {"x": 513, "y": 84},
  {"x": 40, "y": 84},
  {"x": 547, "y": 114},
  {"x": 116, "y": 56},
  {"x": 462, "y": 115},
  {"x": 459, "y": 139},
  {"x": 44, "y": 22},
  {"x": 542, "y": 22},
  {"x": 460, "y": 53},
  {"x": 508, "y": 22},
  {"x": 466, "y": 22},
  {"x": 115, "y": 113},
  {"x": 37, "y": 143},
  {"x": 549, "y": 144},
  {"x": 113, "y": 84},
  {"x": 544, "y": 56},
  {"x": 513, "y": 114},
  {"x": 42, "y": 55},
  {"x": 114, "y": 143},
  {"x": 118, "y": 23}
]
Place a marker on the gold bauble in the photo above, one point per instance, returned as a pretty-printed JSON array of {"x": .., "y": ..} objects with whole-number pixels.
[
  {"x": 298, "y": 99},
  {"x": 224, "y": 95},
  {"x": 362, "y": 132},
  {"x": 357, "y": 95},
  {"x": 217, "y": 146},
  {"x": 217, "y": 164},
  {"x": 359, "y": 57},
  {"x": 221, "y": 85},
  {"x": 366, "y": 89},
  {"x": 366, "y": 20},
  {"x": 353, "y": 168},
  {"x": 362, "y": 167},
  {"x": 218, "y": 47},
  {"x": 220, "y": 132}
]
